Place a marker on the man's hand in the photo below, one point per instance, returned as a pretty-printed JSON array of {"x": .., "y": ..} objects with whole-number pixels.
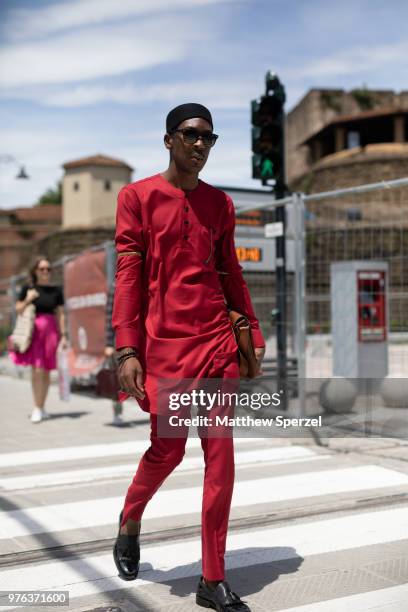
[
  {"x": 131, "y": 378},
  {"x": 260, "y": 354},
  {"x": 109, "y": 350}
]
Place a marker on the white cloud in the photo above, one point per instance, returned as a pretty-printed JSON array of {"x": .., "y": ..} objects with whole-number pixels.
[
  {"x": 354, "y": 60},
  {"x": 80, "y": 53},
  {"x": 23, "y": 23},
  {"x": 85, "y": 55},
  {"x": 38, "y": 143},
  {"x": 217, "y": 93}
]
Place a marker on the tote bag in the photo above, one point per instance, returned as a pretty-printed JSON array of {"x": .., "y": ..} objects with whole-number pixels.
[{"x": 22, "y": 334}]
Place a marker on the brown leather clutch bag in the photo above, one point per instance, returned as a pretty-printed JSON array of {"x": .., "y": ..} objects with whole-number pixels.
[
  {"x": 107, "y": 383},
  {"x": 248, "y": 365}
]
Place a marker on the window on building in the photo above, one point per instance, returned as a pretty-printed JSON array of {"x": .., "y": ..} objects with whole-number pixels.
[
  {"x": 377, "y": 130},
  {"x": 76, "y": 186},
  {"x": 354, "y": 214},
  {"x": 353, "y": 139},
  {"x": 108, "y": 185}
]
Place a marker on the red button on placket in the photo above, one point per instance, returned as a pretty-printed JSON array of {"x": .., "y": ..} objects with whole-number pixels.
[{"x": 185, "y": 226}]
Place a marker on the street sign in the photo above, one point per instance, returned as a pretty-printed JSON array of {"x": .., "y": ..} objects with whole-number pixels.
[
  {"x": 273, "y": 230},
  {"x": 254, "y": 245}
]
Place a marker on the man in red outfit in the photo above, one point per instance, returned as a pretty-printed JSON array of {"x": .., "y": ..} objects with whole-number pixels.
[{"x": 177, "y": 275}]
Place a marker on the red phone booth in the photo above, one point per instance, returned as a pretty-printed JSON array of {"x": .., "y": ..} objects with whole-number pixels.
[
  {"x": 359, "y": 319},
  {"x": 371, "y": 306}
]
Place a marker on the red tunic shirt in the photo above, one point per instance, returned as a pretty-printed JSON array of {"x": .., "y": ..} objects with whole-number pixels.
[{"x": 171, "y": 302}]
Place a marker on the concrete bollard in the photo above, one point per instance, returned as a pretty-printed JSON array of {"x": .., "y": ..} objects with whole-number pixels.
[
  {"x": 394, "y": 392},
  {"x": 337, "y": 395}
]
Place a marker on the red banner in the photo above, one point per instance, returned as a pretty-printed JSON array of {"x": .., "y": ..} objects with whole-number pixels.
[{"x": 85, "y": 289}]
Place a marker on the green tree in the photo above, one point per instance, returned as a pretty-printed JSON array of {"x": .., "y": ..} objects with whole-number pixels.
[
  {"x": 52, "y": 195},
  {"x": 364, "y": 97}
]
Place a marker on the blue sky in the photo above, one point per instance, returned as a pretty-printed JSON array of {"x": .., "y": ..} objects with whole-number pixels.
[{"x": 79, "y": 77}]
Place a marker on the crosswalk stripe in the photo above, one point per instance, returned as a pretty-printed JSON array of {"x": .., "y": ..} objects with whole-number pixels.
[
  {"x": 103, "y": 511},
  {"x": 96, "y": 574},
  {"x": 92, "y": 451},
  {"x": 269, "y": 455},
  {"x": 391, "y": 599}
]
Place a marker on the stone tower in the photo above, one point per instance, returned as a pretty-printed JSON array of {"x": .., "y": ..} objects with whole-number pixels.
[{"x": 90, "y": 188}]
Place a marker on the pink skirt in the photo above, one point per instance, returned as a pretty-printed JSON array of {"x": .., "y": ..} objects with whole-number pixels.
[{"x": 42, "y": 352}]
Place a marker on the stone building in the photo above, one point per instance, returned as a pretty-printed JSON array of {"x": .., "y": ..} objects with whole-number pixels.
[
  {"x": 335, "y": 140},
  {"x": 89, "y": 195},
  {"x": 332, "y": 143},
  {"x": 90, "y": 187},
  {"x": 328, "y": 121}
]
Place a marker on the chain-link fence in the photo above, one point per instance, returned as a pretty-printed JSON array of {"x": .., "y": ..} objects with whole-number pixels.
[
  {"x": 363, "y": 224},
  {"x": 347, "y": 307}
]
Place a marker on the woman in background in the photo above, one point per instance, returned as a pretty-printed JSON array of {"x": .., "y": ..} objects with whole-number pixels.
[{"x": 49, "y": 332}]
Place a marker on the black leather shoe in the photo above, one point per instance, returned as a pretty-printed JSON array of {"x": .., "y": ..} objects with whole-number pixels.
[
  {"x": 221, "y": 598},
  {"x": 126, "y": 554}
]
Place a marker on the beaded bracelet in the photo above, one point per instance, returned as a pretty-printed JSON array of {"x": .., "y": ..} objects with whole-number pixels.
[
  {"x": 119, "y": 355},
  {"x": 122, "y": 358},
  {"x": 125, "y": 351},
  {"x": 120, "y": 364}
]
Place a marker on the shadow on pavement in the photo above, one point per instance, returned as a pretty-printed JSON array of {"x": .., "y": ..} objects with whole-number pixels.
[
  {"x": 69, "y": 415},
  {"x": 251, "y": 570},
  {"x": 128, "y": 424},
  {"x": 54, "y": 546}
]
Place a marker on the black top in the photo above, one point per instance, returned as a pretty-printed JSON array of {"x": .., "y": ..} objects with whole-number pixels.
[{"x": 50, "y": 297}]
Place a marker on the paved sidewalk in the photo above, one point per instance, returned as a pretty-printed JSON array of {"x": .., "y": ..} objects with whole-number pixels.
[
  {"x": 86, "y": 418},
  {"x": 317, "y": 525}
]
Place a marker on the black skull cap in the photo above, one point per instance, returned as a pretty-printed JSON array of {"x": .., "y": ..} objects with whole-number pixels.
[{"x": 186, "y": 111}]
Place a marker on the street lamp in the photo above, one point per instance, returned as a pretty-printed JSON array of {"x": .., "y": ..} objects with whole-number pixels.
[
  {"x": 9, "y": 159},
  {"x": 22, "y": 173}
]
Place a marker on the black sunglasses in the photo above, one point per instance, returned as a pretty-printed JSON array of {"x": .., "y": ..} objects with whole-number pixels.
[
  {"x": 44, "y": 268},
  {"x": 191, "y": 135}
]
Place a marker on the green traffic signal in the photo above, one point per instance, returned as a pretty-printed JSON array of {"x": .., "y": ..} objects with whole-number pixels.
[
  {"x": 268, "y": 147},
  {"x": 267, "y": 169},
  {"x": 264, "y": 168}
]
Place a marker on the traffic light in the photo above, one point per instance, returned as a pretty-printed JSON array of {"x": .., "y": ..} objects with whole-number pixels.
[{"x": 268, "y": 145}]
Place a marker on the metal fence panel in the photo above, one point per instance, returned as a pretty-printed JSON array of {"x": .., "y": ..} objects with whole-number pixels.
[{"x": 358, "y": 224}]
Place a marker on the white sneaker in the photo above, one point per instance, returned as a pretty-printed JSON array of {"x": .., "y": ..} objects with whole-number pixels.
[
  {"x": 45, "y": 414},
  {"x": 36, "y": 415},
  {"x": 117, "y": 420}
]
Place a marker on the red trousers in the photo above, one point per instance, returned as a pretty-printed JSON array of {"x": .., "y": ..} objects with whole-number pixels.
[{"x": 160, "y": 459}]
